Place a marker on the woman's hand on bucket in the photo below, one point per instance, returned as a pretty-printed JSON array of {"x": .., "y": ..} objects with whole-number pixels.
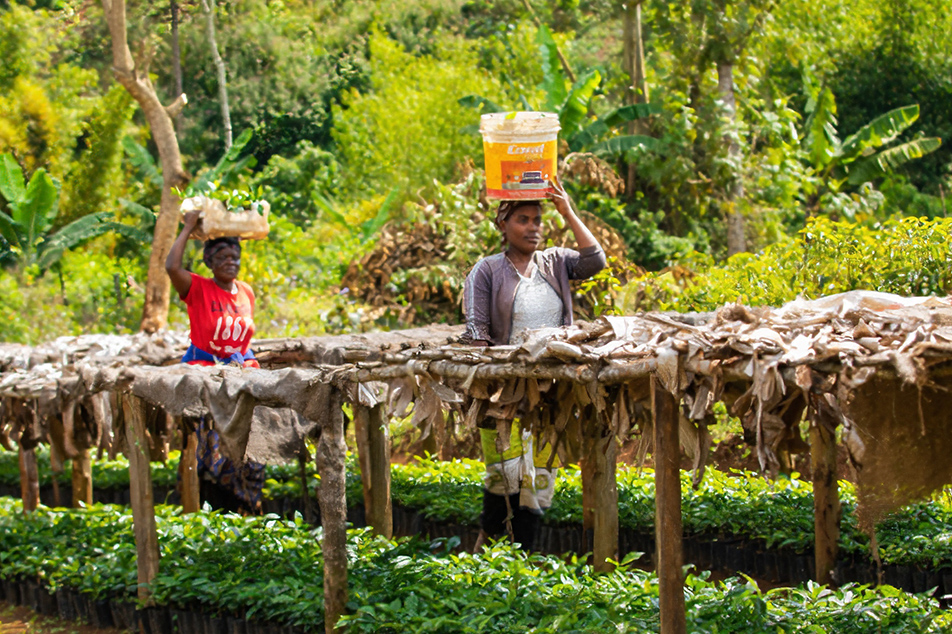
[
  {"x": 559, "y": 198},
  {"x": 563, "y": 205}
]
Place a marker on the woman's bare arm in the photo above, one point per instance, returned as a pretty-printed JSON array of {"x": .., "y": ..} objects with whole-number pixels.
[{"x": 181, "y": 279}]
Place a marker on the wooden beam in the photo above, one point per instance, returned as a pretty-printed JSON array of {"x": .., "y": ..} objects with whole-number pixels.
[
  {"x": 826, "y": 499},
  {"x": 82, "y": 478},
  {"x": 188, "y": 470},
  {"x": 331, "y": 453},
  {"x": 600, "y": 497},
  {"x": 140, "y": 494},
  {"x": 29, "y": 479},
  {"x": 373, "y": 448},
  {"x": 668, "y": 536}
]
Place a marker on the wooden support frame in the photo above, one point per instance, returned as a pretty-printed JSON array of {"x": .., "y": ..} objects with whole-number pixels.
[
  {"x": 331, "y": 454},
  {"x": 373, "y": 449},
  {"x": 82, "y": 478},
  {"x": 29, "y": 479},
  {"x": 826, "y": 498},
  {"x": 140, "y": 494},
  {"x": 188, "y": 469},
  {"x": 668, "y": 522},
  {"x": 600, "y": 497}
]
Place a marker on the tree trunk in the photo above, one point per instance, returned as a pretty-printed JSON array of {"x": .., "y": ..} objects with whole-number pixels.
[
  {"x": 136, "y": 80},
  {"x": 734, "y": 193},
  {"x": 208, "y": 8},
  {"x": 176, "y": 61},
  {"x": 638, "y": 85}
]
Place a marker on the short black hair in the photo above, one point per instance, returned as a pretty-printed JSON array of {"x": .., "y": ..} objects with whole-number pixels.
[{"x": 213, "y": 246}]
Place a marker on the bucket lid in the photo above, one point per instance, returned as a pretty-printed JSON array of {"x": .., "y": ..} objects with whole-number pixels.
[{"x": 519, "y": 122}]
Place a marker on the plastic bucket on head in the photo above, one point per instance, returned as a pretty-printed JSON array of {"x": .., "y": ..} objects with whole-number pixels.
[{"x": 521, "y": 153}]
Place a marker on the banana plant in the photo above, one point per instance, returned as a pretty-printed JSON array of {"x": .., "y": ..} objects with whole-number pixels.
[
  {"x": 33, "y": 207},
  {"x": 581, "y": 132},
  {"x": 856, "y": 159}
]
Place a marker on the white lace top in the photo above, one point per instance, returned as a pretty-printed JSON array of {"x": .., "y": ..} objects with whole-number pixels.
[{"x": 536, "y": 305}]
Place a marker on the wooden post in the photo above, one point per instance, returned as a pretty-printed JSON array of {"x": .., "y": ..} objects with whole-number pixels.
[
  {"x": 668, "y": 537},
  {"x": 140, "y": 494},
  {"x": 29, "y": 479},
  {"x": 599, "y": 491},
  {"x": 373, "y": 448},
  {"x": 605, "y": 502},
  {"x": 82, "y": 479},
  {"x": 826, "y": 499},
  {"x": 188, "y": 470},
  {"x": 331, "y": 452}
]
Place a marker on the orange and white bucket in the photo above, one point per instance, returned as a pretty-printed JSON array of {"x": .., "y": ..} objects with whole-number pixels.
[{"x": 521, "y": 153}]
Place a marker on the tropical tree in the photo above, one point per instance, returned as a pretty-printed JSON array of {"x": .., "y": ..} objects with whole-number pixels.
[
  {"x": 856, "y": 159},
  {"x": 571, "y": 100},
  {"x": 27, "y": 229},
  {"x": 134, "y": 77}
]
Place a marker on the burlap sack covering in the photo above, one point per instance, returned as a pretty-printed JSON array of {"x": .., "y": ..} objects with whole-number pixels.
[{"x": 900, "y": 443}]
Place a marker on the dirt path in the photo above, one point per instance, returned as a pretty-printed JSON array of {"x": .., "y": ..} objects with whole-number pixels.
[{"x": 22, "y": 620}]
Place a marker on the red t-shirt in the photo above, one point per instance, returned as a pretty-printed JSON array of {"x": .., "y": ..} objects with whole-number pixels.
[{"x": 220, "y": 321}]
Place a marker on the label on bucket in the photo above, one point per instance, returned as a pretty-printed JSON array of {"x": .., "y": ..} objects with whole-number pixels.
[{"x": 519, "y": 171}]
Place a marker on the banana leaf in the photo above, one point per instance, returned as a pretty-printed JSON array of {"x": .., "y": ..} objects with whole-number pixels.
[
  {"x": 227, "y": 168},
  {"x": 589, "y": 135},
  {"x": 142, "y": 160},
  {"x": 10, "y": 230},
  {"x": 476, "y": 102},
  {"x": 39, "y": 205},
  {"x": 821, "y": 141},
  {"x": 575, "y": 108},
  {"x": 81, "y": 230},
  {"x": 881, "y": 163},
  {"x": 11, "y": 179},
  {"x": 880, "y": 131},
  {"x": 620, "y": 145}
]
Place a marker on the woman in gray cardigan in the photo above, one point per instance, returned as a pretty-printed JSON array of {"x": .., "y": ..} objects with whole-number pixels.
[{"x": 504, "y": 296}]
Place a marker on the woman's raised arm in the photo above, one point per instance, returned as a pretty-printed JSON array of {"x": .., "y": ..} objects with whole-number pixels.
[{"x": 181, "y": 279}]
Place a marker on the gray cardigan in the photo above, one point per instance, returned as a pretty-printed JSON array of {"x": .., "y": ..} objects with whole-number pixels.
[{"x": 490, "y": 288}]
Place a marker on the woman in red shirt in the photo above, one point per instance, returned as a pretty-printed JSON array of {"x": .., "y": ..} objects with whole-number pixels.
[
  {"x": 221, "y": 324},
  {"x": 220, "y": 308}
]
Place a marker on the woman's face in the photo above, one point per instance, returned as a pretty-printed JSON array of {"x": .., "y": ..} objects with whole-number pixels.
[
  {"x": 226, "y": 262},
  {"x": 523, "y": 228}
]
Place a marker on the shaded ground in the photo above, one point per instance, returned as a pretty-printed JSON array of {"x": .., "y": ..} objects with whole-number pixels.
[{"x": 23, "y": 620}]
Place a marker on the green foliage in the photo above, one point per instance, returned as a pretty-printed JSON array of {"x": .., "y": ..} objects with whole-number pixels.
[
  {"x": 855, "y": 160},
  {"x": 43, "y": 99},
  {"x": 95, "y": 291},
  {"x": 34, "y": 207},
  {"x": 215, "y": 561},
  {"x": 299, "y": 187},
  {"x": 405, "y": 132},
  {"x": 93, "y": 178},
  {"x": 908, "y": 256}
]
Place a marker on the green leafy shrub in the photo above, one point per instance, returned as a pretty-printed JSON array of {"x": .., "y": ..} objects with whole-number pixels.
[
  {"x": 405, "y": 131},
  {"x": 907, "y": 256},
  {"x": 216, "y": 561}
]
